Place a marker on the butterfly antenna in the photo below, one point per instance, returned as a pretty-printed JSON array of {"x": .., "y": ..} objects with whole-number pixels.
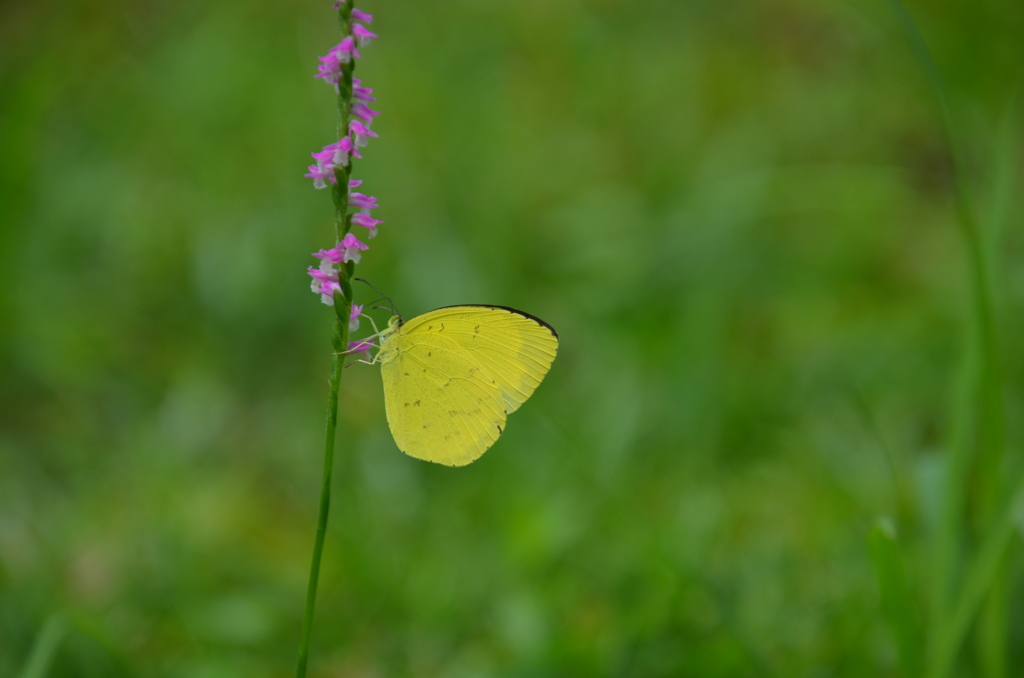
[{"x": 394, "y": 309}]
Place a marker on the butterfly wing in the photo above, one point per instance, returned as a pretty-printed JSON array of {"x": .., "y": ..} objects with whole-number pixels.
[
  {"x": 515, "y": 348},
  {"x": 441, "y": 405}
]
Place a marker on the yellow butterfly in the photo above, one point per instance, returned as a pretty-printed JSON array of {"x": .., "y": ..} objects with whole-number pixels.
[{"x": 451, "y": 376}]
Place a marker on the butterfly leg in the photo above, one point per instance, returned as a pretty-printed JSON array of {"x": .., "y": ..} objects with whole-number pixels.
[
  {"x": 367, "y": 341},
  {"x": 376, "y": 332},
  {"x": 364, "y": 362}
]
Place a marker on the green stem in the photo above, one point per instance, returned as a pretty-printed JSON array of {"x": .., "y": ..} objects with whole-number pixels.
[{"x": 339, "y": 339}]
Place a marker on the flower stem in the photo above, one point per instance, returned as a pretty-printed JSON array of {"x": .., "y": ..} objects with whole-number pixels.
[{"x": 339, "y": 340}]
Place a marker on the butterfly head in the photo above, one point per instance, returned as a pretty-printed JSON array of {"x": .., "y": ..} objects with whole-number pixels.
[{"x": 393, "y": 324}]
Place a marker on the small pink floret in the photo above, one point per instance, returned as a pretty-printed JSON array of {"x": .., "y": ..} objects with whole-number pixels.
[
  {"x": 325, "y": 279},
  {"x": 362, "y": 34},
  {"x": 367, "y": 222},
  {"x": 360, "y": 92},
  {"x": 319, "y": 276},
  {"x": 363, "y": 112},
  {"x": 362, "y": 348},
  {"x": 328, "y": 290},
  {"x": 330, "y": 63},
  {"x": 363, "y": 203},
  {"x": 360, "y": 15},
  {"x": 351, "y": 248},
  {"x": 347, "y": 50},
  {"x": 331, "y": 156},
  {"x": 353, "y": 317},
  {"x": 320, "y": 176},
  {"x": 361, "y": 132},
  {"x": 333, "y": 255},
  {"x": 329, "y": 70},
  {"x": 340, "y": 151}
]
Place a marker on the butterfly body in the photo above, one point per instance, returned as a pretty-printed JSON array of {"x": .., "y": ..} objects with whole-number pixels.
[{"x": 453, "y": 375}]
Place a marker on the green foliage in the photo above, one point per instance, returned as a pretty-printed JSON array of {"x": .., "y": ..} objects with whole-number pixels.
[
  {"x": 899, "y": 603},
  {"x": 45, "y": 647},
  {"x": 740, "y": 216}
]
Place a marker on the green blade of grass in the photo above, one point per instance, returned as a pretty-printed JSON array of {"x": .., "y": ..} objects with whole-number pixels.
[
  {"x": 1003, "y": 179},
  {"x": 980, "y": 425},
  {"x": 958, "y": 461},
  {"x": 904, "y": 510},
  {"x": 981, "y": 574},
  {"x": 898, "y": 603},
  {"x": 992, "y": 632},
  {"x": 45, "y": 647},
  {"x": 55, "y": 630},
  {"x": 91, "y": 628}
]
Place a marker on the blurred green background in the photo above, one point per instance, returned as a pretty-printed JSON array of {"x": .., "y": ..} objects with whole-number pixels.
[{"x": 739, "y": 215}]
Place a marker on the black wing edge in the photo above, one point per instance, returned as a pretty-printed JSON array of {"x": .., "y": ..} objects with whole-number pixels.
[{"x": 510, "y": 310}]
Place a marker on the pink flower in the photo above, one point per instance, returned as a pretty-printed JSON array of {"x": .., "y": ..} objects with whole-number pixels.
[
  {"x": 359, "y": 15},
  {"x": 353, "y": 317},
  {"x": 325, "y": 281},
  {"x": 363, "y": 203},
  {"x": 351, "y": 248},
  {"x": 329, "y": 68},
  {"x": 327, "y": 159},
  {"x": 330, "y": 64},
  {"x": 325, "y": 273},
  {"x": 362, "y": 348},
  {"x": 347, "y": 50},
  {"x": 334, "y": 154},
  {"x": 352, "y": 183},
  {"x": 341, "y": 149},
  {"x": 345, "y": 251},
  {"x": 360, "y": 92},
  {"x": 333, "y": 255},
  {"x": 318, "y": 174},
  {"x": 363, "y": 112},
  {"x": 325, "y": 278},
  {"x": 327, "y": 291},
  {"x": 366, "y": 221},
  {"x": 362, "y": 133},
  {"x": 362, "y": 35},
  {"x": 324, "y": 159}
]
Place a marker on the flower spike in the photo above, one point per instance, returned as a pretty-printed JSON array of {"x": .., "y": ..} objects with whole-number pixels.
[
  {"x": 334, "y": 161},
  {"x": 333, "y": 165}
]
